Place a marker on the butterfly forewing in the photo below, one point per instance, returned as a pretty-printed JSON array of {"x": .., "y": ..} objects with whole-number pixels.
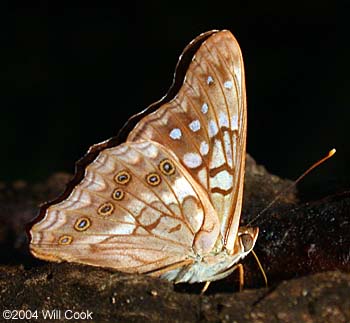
[
  {"x": 205, "y": 126},
  {"x": 136, "y": 210}
]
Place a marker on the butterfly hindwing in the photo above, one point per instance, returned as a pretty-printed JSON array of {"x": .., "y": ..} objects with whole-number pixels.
[{"x": 136, "y": 210}]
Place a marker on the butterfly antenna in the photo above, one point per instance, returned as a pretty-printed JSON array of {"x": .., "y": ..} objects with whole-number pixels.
[{"x": 289, "y": 187}]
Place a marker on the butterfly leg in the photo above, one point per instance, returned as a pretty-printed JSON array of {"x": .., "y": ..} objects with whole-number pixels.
[
  {"x": 241, "y": 276},
  {"x": 225, "y": 274},
  {"x": 205, "y": 287}
]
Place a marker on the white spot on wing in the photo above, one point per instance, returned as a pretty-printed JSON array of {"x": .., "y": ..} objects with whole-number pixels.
[
  {"x": 234, "y": 123},
  {"x": 213, "y": 128},
  {"x": 223, "y": 121},
  {"x": 183, "y": 189},
  {"x": 210, "y": 80},
  {"x": 124, "y": 229},
  {"x": 175, "y": 134},
  {"x": 195, "y": 125},
  {"x": 223, "y": 180},
  {"x": 204, "y": 148},
  {"x": 192, "y": 160},
  {"x": 204, "y": 108},
  {"x": 228, "y": 84}
]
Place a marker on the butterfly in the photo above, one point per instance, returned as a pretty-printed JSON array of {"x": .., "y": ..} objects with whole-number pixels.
[{"x": 167, "y": 201}]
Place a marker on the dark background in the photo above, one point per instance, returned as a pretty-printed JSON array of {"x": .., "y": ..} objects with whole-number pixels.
[{"x": 71, "y": 76}]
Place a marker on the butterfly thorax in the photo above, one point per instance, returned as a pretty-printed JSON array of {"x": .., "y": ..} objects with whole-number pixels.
[{"x": 218, "y": 263}]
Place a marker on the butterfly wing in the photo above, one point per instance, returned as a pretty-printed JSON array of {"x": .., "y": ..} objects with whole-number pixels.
[
  {"x": 205, "y": 126},
  {"x": 136, "y": 210}
]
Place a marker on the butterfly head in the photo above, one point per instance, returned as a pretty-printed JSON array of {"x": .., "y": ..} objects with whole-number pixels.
[{"x": 246, "y": 239}]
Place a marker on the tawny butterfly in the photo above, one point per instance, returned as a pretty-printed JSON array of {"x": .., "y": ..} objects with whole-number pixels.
[{"x": 167, "y": 201}]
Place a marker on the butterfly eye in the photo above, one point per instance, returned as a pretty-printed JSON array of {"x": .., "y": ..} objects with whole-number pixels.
[
  {"x": 123, "y": 177},
  {"x": 167, "y": 167},
  {"x": 65, "y": 240},
  {"x": 106, "y": 209},
  {"x": 153, "y": 179},
  {"x": 82, "y": 224},
  {"x": 247, "y": 241}
]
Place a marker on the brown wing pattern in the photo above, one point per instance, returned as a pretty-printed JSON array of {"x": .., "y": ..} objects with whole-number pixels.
[
  {"x": 205, "y": 126},
  {"x": 136, "y": 210}
]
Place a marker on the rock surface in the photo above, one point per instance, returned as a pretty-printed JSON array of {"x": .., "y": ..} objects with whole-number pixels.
[
  {"x": 303, "y": 247},
  {"x": 118, "y": 297}
]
